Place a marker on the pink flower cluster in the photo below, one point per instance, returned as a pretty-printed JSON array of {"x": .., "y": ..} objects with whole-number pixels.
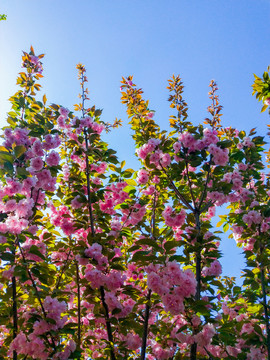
[
  {"x": 33, "y": 346},
  {"x": 160, "y": 159},
  {"x": 252, "y": 217},
  {"x": 142, "y": 176},
  {"x": 204, "y": 337},
  {"x": 220, "y": 156},
  {"x": 95, "y": 252},
  {"x": 133, "y": 215},
  {"x": 247, "y": 142},
  {"x": 80, "y": 125},
  {"x": 189, "y": 142},
  {"x": 236, "y": 178},
  {"x": 36, "y": 64},
  {"x": 18, "y": 137},
  {"x": 160, "y": 353},
  {"x": 53, "y": 158},
  {"x": 215, "y": 269},
  {"x": 217, "y": 198},
  {"x": 133, "y": 341},
  {"x": 62, "y": 217},
  {"x": 32, "y": 242},
  {"x": 68, "y": 350},
  {"x": 100, "y": 169},
  {"x": 147, "y": 148},
  {"x": 113, "y": 196},
  {"x": 174, "y": 219},
  {"x": 113, "y": 280},
  {"x": 172, "y": 284}
]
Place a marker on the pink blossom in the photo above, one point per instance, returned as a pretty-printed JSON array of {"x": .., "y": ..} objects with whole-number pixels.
[
  {"x": 252, "y": 217},
  {"x": 10, "y": 205},
  {"x": 95, "y": 278},
  {"x": 174, "y": 219},
  {"x": 150, "y": 115},
  {"x": 267, "y": 101},
  {"x": 36, "y": 164},
  {"x": 24, "y": 208},
  {"x": 53, "y": 158},
  {"x": 215, "y": 269},
  {"x": 133, "y": 341},
  {"x": 75, "y": 203},
  {"x": 142, "y": 176},
  {"x": 64, "y": 112},
  {"x": 165, "y": 160},
  {"x": 51, "y": 142},
  {"x": 37, "y": 148},
  {"x": 115, "y": 280},
  {"x": 15, "y": 225},
  {"x": 247, "y": 142}
]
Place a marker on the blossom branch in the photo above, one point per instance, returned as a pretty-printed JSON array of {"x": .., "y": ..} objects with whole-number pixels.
[
  {"x": 78, "y": 303},
  {"x": 35, "y": 288}
]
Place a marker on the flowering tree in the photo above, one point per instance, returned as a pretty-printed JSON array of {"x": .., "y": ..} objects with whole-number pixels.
[{"x": 102, "y": 262}]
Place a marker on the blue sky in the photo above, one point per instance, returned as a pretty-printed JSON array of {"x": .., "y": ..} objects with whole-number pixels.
[{"x": 225, "y": 40}]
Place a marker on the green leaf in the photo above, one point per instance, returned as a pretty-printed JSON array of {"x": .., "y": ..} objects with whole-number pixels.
[
  {"x": 7, "y": 256},
  {"x": 226, "y": 227},
  {"x": 35, "y": 251},
  {"x": 5, "y": 156},
  {"x": 19, "y": 150},
  {"x": 170, "y": 245}
]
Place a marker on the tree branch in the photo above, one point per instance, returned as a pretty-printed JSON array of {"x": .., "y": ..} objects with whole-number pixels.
[
  {"x": 108, "y": 323},
  {"x": 145, "y": 325},
  {"x": 79, "y": 304},
  {"x": 36, "y": 289}
]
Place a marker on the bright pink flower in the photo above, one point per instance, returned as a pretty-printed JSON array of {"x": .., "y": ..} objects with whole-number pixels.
[
  {"x": 142, "y": 176},
  {"x": 53, "y": 158},
  {"x": 37, "y": 148},
  {"x": 36, "y": 164}
]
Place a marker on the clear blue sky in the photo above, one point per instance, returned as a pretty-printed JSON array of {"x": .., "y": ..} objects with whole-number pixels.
[{"x": 225, "y": 40}]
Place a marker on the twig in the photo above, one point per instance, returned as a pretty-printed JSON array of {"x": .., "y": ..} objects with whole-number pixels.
[
  {"x": 145, "y": 326},
  {"x": 206, "y": 183},
  {"x": 193, "y": 350},
  {"x": 36, "y": 290},
  {"x": 79, "y": 304},
  {"x": 14, "y": 313},
  {"x": 62, "y": 270},
  {"x": 177, "y": 192},
  {"x": 108, "y": 323}
]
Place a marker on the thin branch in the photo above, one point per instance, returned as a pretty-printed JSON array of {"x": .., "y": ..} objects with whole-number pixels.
[
  {"x": 177, "y": 192},
  {"x": 14, "y": 304},
  {"x": 189, "y": 182},
  {"x": 14, "y": 313},
  {"x": 36, "y": 289},
  {"x": 145, "y": 325},
  {"x": 88, "y": 185},
  {"x": 265, "y": 306},
  {"x": 62, "y": 270},
  {"x": 79, "y": 304},
  {"x": 206, "y": 183},
  {"x": 108, "y": 323},
  {"x": 193, "y": 350},
  {"x": 208, "y": 353}
]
